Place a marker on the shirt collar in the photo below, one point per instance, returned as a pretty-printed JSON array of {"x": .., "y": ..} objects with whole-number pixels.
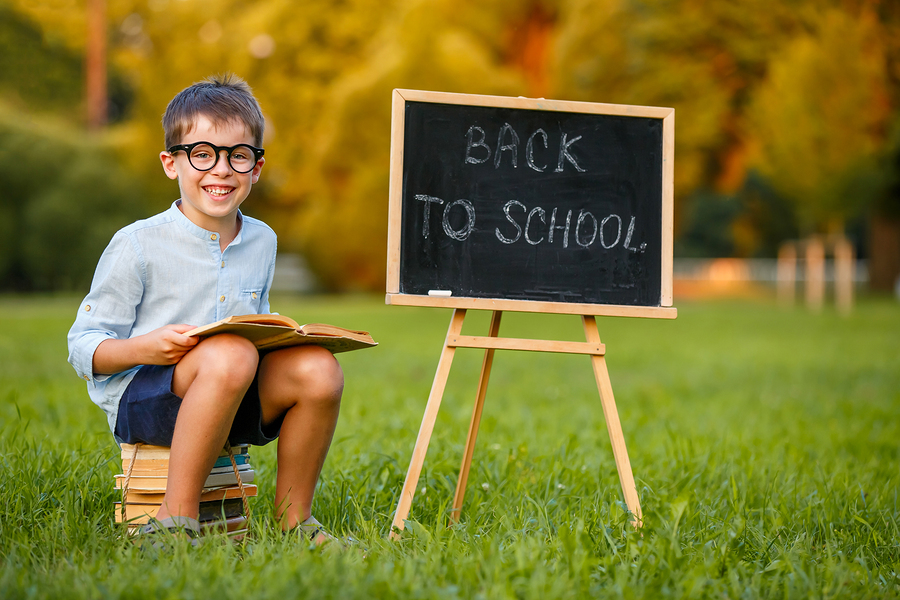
[{"x": 198, "y": 231}]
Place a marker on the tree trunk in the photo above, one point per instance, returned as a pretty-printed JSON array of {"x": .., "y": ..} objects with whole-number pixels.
[{"x": 884, "y": 252}]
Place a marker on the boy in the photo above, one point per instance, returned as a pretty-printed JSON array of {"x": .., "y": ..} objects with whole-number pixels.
[{"x": 198, "y": 262}]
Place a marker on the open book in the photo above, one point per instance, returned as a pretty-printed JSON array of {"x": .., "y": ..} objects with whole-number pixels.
[{"x": 269, "y": 332}]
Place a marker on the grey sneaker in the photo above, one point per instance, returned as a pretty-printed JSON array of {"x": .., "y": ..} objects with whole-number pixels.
[{"x": 157, "y": 531}]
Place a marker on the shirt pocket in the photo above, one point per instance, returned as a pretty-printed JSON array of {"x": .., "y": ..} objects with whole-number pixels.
[{"x": 251, "y": 297}]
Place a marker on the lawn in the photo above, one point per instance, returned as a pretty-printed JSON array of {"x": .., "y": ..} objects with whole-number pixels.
[{"x": 765, "y": 444}]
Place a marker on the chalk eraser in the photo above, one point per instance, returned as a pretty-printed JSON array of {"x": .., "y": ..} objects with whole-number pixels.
[{"x": 440, "y": 293}]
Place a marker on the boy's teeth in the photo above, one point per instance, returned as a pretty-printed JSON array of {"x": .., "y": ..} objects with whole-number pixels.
[{"x": 217, "y": 191}]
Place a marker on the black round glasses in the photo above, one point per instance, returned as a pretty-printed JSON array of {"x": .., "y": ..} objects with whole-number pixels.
[{"x": 203, "y": 156}]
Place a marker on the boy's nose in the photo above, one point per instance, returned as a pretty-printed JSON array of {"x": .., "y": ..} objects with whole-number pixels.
[{"x": 223, "y": 165}]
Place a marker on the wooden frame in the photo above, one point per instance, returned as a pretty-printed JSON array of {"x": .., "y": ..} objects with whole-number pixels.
[
  {"x": 393, "y": 296},
  {"x": 454, "y": 339},
  {"x": 587, "y": 311}
]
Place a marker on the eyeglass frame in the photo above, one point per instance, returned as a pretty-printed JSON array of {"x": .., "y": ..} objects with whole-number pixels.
[{"x": 187, "y": 148}]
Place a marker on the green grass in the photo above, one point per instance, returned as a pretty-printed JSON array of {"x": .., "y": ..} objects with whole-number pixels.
[{"x": 765, "y": 444}]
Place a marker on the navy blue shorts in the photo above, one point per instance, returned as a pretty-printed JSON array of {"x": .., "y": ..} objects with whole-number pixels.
[{"x": 148, "y": 409}]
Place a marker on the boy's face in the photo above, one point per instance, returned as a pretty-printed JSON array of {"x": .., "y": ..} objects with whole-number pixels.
[{"x": 210, "y": 199}]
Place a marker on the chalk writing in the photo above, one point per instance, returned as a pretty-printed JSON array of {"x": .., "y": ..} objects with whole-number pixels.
[
  {"x": 535, "y": 210},
  {"x": 428, "y": 200},
  {"x": 506, "y": 208},
  {"x": 564, "y": 228},
  {"x": 582, "y": 238},
  {"x": 582, "y": 215},
  {"x": 478, "y": 151},
  {"x": 529, "y": 150},
  {"x": 459, "y": 235},
  {"x": 473, "y": 143},
  {"x": 627, "y": 244},
  {"x": 512, "y": 147},
  {"x": 535, "y": 230},
  {"x": 530, "y": 204},
  {"x": 618, "y": 231},
  {"x": 564, "y": 153}
]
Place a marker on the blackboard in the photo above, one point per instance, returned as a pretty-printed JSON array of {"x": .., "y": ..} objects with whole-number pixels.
[{"x": 540, "y": 205}]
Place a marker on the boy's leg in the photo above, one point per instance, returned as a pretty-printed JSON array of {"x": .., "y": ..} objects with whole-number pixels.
[
  {"x": 212, "y": 379},
  {"x": 303, "y": 383}
]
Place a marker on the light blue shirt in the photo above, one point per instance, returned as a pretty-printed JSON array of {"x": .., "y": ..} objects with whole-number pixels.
[{"x": 161, "y": 271}]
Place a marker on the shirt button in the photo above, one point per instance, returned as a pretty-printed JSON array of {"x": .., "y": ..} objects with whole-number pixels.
[
  {"x": 223, "y": 264},
  {"x": 87, "y": 308},
  {"x": 87, "y": 378},
  {"x": 213, "y": 237},
  {"x": 221, "y": 298},
  {"x": 253, "y": 295}
]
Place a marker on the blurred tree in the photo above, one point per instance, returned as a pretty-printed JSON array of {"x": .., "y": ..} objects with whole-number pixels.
[
  {"x": 822, "y": 111},
  {"x": 42, "y": 46},
  {"x": 63, "y": 198},
  {"x": 701, "y": 58},
  {"x": 290, "y": 52},
  {"x": 740, "y": 75},
  {"x": 33, "y": 73},
  {"x": 882, "y": 182},
  {"x": 751, "y": 222},
  {"x": 444, "y": 45}
]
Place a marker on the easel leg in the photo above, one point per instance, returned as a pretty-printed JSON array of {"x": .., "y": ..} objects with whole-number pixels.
[
  {"x": 613, "y": 426},
  {"x": 460, "y": 494},
  {"x": 427, "y": 426}
]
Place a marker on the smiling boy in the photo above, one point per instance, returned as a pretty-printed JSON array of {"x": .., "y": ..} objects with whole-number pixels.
[{"x": 198, "y": 262}]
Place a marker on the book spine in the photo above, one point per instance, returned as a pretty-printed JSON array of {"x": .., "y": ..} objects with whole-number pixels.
[{"x": 211, "y": 495}]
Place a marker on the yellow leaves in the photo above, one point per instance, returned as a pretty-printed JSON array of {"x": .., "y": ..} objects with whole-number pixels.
[
  {"x": 798, "y": 93},
  {"x": 822, "y": 109}
]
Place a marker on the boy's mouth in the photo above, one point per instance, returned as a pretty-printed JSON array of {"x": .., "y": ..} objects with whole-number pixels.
[{"x": 217, "y": 191}]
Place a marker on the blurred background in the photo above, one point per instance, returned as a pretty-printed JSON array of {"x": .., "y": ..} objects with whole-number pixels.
[{"x": 787, "y": 122}]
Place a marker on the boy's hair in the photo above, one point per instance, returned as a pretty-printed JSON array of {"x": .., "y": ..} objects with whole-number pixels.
[{"x": 221, "y": 99}]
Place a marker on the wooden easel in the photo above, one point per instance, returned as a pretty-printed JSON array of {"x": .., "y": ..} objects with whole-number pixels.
[
  {"x": 437, "y": 263},
  {"x": 490, "y": 343}
]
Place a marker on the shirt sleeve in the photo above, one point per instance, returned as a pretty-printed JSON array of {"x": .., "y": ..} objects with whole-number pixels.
[{"x": 109, "y": 309}]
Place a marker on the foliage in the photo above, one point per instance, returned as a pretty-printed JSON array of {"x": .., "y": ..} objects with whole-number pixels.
[
  {"x": 749, "y": 223},
  {"x": 62, "y": 200},
  {"x": 702, "y": 58},
  {"x": 800, "y": 93},
  {"x": 23, "y": 53},
  {"x": 766, "y": 469},
  {"x": 805, "y": 159},
  {"x": 431, "y": 46}
]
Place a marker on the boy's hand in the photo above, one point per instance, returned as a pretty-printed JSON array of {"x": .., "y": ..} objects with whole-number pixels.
[
  {"x": 169, "y": 344},
  {"x": 164, "y": 346}
]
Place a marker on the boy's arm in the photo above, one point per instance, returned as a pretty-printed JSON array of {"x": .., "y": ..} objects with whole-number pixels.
[
  {"x": 100, "y": 340},
  {"x": 164, "y": 346}
]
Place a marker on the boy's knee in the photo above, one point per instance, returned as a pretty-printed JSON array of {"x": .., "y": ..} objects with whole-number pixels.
[
  {"x": 316, "y": 372},
  {"x": 230, "y": 358},
  {"x": 225, "y": 363},
  {"x": 322, "y": 371}
]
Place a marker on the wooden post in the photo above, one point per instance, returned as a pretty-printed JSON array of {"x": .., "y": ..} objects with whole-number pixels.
[
  {"x": 490, "y": 343},
  {"x": 427, "y": 426},
  {"x": 787, "y": 273},
  {"x": 463, "y": 480},
  {"x": 613, "y": 425},
  {"x": 843, "y": 275},
  {"x": 815, "y": 273},
  {"x": 95, "y": 65}
]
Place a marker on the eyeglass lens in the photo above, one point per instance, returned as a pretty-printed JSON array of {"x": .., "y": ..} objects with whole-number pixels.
[{"x": 204, "y": 157}]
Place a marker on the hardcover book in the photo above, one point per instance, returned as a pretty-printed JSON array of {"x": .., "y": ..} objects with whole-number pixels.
[{"x": 270, "y": 332}]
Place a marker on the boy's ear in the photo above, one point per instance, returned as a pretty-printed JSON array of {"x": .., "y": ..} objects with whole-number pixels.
[
  {"x": 168, "y": 163},
  {"x": 256, "y": 170}
]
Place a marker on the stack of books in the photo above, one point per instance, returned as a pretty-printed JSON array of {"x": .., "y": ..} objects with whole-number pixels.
[{"x": 222, "y": 507}]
